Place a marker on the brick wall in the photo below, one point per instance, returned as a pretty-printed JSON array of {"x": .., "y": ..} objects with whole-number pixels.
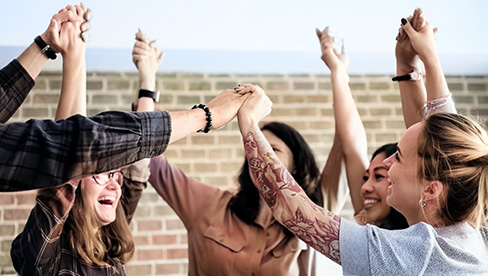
[{"x": 303, "y": 101}]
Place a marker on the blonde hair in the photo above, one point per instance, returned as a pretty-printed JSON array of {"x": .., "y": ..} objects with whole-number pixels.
[
  {"x": 112, "y": 244},
  {"x": 454, "y": 151}
]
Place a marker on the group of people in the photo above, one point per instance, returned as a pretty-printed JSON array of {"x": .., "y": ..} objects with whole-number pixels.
[{"x": 420, "y": 204}]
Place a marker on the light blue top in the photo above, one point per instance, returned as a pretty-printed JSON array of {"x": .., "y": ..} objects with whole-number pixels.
[{"x": 418, "y": 250}]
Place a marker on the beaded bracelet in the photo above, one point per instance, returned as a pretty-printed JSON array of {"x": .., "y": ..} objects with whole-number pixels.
[{"x": 208, "y": 115}]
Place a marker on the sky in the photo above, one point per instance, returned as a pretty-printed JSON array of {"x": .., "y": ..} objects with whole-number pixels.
[{"x": 258, "y": 35}]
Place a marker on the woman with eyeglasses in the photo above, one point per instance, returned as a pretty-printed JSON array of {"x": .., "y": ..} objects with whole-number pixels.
[{"x": 82, "y": 227}]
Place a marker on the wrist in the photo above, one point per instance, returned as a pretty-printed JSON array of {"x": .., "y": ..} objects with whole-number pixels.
[
  {"x": 208, "y": 117},
  {"x": 45, "y": 47},
  {"x": 46, "y": 38},
  {"x": 148, "y": 84},
  {"x": 403, "y": 69},
  {"x": 152, "y": 94},
  {"x": 246, "y": 122},
  {"x": 73, "y": 57}
]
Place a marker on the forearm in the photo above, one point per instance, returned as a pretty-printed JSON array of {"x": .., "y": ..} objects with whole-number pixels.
[
  {"x": 135, "y": 181},
  {"x": 137, "y": 174},
  {"x": 33, "y": 60},
  {"x": 288, "y": 202},
  {"x": 350, "y": 131},
  {"x": 147, "y": 82},
  {"x": 15, "y": 85},
  {"x": 54, "y": 152},
  {"x": 186, "y": 122},
  {"x": 349, "y": 126},
  {"x": 72, "y": 99},
  {"x": 435, "y": 82},
  {"x": 412, "y": 94},
  {"x": 333, "y": 180}
]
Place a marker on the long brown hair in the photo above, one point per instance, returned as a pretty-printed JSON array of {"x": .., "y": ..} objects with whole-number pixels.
[{"x": 110, "y": 245}]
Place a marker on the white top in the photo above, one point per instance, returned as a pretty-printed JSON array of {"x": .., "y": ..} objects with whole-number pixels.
[{"x": 418, "y": 250}]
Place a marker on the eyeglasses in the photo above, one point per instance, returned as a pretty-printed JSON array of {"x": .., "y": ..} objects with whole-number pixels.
[{"x": 104, "y": 178}]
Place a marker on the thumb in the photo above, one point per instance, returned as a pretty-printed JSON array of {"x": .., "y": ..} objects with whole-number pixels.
[
  {"x": 54, "y": 30},
  {"x": 407, "y": 27},
  {"x": 319, "y": 33}
]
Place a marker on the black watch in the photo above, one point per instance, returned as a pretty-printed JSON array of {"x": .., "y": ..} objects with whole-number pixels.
[
  {"x": 414, "y": 76},
  {"x": 45, "y": 48},
  {"x": 149, "y": 94}
]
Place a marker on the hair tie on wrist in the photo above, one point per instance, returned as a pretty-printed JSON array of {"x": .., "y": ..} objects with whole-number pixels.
[
  {"x": 208, "y": 116},
  {"x": 45, "y": 48}
]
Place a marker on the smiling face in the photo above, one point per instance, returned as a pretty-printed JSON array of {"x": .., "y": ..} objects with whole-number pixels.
[
  {"x": 405, "y": 187},
  {"x": 103, "y": 198},
  {"x": 281, "y": 150},
  {"x": 374, "y": 190}
]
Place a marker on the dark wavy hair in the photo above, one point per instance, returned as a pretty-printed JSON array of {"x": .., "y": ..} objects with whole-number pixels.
[
  {"x": 246, "y": 204},
  {"x": 394, "y": 220}
]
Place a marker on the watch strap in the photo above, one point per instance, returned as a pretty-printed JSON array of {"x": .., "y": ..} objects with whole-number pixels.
[
  {"x": 414, "y": 75},
  {"x": 406, "y": 77},
  {"x": 149, "y": 94},
  {"x": 45, "y": 48}
]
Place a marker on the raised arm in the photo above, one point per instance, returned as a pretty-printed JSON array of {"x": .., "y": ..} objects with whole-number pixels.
[
  {"x": 350, "y": 135},
  {"x": 415, "y": 43},
  {"x": 17, "y": 78},
  {"x": 33, "y": 248},
  {"x": 55, "y": 152},
  {"x": 289, "y": 203},
  {"x": 71, "y": 46},
  {"x": 412, "y": 92},
  {"x": 423, "y": 42},
  {"x": 146, "y": 57}
]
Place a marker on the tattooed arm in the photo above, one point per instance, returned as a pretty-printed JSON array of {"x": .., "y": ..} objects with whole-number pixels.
[{"x": 290, "y": 205}]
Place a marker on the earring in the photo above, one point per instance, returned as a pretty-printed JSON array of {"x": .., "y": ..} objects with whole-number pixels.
[{"x": 422, "y": 203}]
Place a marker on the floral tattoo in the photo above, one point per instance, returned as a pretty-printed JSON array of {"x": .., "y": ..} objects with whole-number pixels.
[{"x": 291, "y": 206}]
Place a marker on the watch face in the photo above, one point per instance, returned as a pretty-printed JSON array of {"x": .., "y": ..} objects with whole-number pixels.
[
  {"x": 415, "y": 75},
  {"x": 156, "y": 96}
]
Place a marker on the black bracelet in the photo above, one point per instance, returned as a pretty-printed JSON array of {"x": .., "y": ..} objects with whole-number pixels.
[
  {"x": 45, "y": 48},
  {"x": 208, "y": 115}
]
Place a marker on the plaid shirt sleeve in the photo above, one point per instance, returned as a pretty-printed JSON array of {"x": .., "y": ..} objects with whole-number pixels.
[
  {"x": 35, "y": 247},
  {"x": 135, "y": 181},
  {"x": 44, "y": 153},
  {"x": 15, "y": 84}
]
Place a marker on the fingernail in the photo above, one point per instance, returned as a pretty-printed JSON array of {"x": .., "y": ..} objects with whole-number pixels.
[
  {"x": 88, "y": 15},
  {"x": 404, "y": 21}
]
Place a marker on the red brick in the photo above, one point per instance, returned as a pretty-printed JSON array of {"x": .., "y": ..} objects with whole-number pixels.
[
  {"x": 134, "y": 269},
  {"x": 149, "y": 225},
  {"x": 172, "y": 224},
  {"x": 141, "y": 240},
  {"x": 26, "y": 198},
  {"x": 7, "y": 230},
  {"x": 177, "y": 253},
  {"x": 16, "y": 214},
  {"x": 165, "y": 239},
  {"x": 149, "y": 254},
  {"x": 7, "y": 199},
  {"x": 165, "y": 269}
]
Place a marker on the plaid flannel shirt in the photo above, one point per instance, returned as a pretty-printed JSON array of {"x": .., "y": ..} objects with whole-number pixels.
[
  {"x": 15, "y": 84},
  {"x": 45, "y": 153}
]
